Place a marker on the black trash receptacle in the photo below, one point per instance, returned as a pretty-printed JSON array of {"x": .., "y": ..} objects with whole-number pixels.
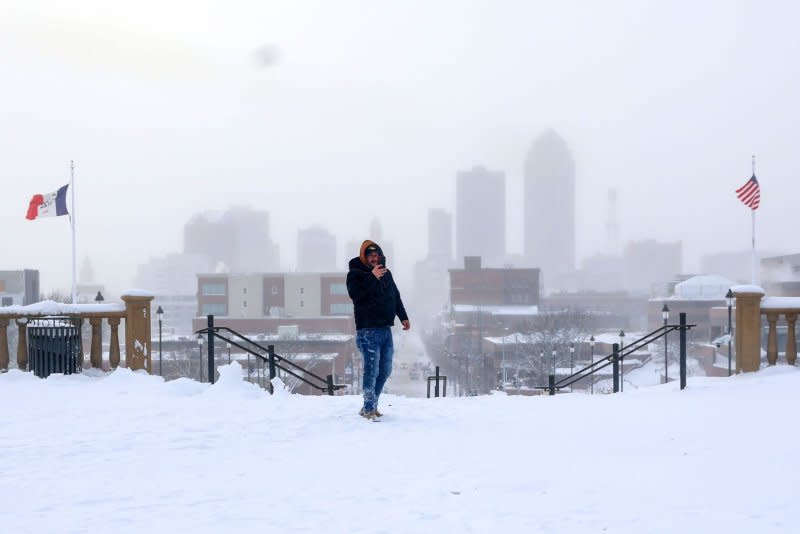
[{"x": 54, "y": 345}]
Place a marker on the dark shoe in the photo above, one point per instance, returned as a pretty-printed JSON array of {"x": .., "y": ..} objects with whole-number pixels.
[
  {"x": 377, "y": 413},
  {"x": 369, "y": 415}
]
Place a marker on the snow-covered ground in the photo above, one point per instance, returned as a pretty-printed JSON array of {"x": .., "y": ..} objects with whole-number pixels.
[{"x": 126, "y": 452}]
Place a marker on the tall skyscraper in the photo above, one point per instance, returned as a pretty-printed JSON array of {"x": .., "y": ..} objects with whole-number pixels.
[
  {"x": 481, "y": 215},
  {"x": 237, "y": 240},
  {"x": 549, "y": 196},
  {"x": 316, "y": 250},
  {"x": 440, "y": 236}
]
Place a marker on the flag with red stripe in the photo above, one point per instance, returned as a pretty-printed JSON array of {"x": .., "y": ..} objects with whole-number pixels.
[
  {"x": 750, "y": 193},
  {"x": 48, "y": 205}
]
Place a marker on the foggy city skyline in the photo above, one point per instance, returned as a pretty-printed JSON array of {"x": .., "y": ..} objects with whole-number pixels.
[{"x": 334, "y": 116}]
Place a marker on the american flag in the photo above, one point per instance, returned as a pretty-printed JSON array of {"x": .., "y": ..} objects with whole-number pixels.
[{"x": 750, "y": 193}]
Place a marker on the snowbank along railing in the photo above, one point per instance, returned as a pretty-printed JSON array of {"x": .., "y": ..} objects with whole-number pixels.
[{"x": 266, "y": 354}]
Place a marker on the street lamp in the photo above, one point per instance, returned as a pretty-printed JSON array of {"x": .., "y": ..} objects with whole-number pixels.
[
  {"x": 591, "y": 375},
  {"x": 729, "y": 298},
  {"x": 621, "y": 361},
  {"x": 665, "y": 316},
  {"x": 541, "y": 363},
  {"x": 98, "y": 299},
  {"x": 571, "y": 361},
  {"x": 503, "y": 374},
  {"x": 159, "y": 314},
  {"x": 200, "y": 346}
]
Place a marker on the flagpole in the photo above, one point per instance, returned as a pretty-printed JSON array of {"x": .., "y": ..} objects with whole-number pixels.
[
  {"x": 753, "y": 278},
  {"x": 72, "y": 220}
]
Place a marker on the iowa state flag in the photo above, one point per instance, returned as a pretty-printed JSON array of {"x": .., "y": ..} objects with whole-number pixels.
[{"x": 49, "y": 205}]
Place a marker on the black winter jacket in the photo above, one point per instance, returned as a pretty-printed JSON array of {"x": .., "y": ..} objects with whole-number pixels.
[{"x": 375, "y": 302}]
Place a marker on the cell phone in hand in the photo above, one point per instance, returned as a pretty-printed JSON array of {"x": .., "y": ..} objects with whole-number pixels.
[{"x": 382, "y": 261}]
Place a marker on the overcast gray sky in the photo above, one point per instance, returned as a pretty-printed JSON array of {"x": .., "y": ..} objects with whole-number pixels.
[{"x": 372, "y": 108}]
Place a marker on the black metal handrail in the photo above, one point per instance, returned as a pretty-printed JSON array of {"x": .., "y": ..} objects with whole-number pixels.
[
  {"x": 267, "y": 354},
  {"x": 619, "y": 355}
]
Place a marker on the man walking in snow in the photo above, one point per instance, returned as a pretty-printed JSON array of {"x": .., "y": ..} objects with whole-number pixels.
[{"x": 376, "y": 302}]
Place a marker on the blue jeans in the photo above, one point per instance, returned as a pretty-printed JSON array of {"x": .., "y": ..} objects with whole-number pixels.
[{"x": 377, "y": 348}]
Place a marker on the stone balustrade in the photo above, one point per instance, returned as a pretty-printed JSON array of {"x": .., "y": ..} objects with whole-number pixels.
[
  {"x": 134, "y": 310},
  {"x": 773, "y": 308},
  {"x": 751, "y": 305}
]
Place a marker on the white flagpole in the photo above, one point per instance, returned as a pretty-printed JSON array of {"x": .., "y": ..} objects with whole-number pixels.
[
  {"x": 754, "y": 277},
  {"x": 72, "y": 220}
]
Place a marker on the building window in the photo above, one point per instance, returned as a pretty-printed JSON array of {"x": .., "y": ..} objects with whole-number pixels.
[
  {"x": 8, "y": 301},
  {"x": 274, "y": 290},
  {"x": 338, "y": 288},
  {"x": 209, "y": 308},
  {"x": 302, "y": 304},
  {"x": 244, "y": 291},
  {"x": 341, "y": 309},
  {"x": 244, "y": 304},
  {"x": 212, "y": 288},
  {"x": 302, "y": 290}
]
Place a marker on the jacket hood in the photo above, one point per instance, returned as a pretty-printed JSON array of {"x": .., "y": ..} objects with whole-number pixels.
[{"x": 362, "y": 255}]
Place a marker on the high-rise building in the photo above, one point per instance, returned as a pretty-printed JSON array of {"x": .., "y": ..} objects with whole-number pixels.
[
  {"x": 235, "y": 240},
  {"x": 481, "y": 215},
  {"x": 650, "y": 264},
  {"x": 549, "y": 196},
  {"x": 440, "y": 235},
  {"x": 19, "y": 287},
  {"x": 316, "y": 250}
]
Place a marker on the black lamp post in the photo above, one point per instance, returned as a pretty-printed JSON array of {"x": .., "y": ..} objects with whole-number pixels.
[
  {"x": 159, "y": 314},
  {"x": 665, "y": 316},
  {"x": 591, "y": 375},
  {"x": 200, "y": 345},
  {"x": 621, "y": 361},
  {"x": 729, "y": 298},
  {"x": 571, "y": 360},
  {"x": 98, "y": 299},
  {"x": 541, "y": 363}
]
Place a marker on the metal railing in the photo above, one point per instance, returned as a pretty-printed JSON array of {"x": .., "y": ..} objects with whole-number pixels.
[
  {"x": 266, "y": 354},
  {"x": 436, "y": 379},
  {"x": 617, "y": 357}
]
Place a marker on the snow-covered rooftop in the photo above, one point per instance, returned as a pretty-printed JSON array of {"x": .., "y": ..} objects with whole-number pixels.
[{"x": 704, "y": 287}]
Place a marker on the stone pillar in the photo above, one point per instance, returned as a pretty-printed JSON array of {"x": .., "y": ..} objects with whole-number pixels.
[
  {"x": 113, "y": 343},
  {"x": 96, "y": 351},
  {"x": 748, "y": 329},
  {"x": 772, "y": 337},
  {"x": 3, "y": 344},
  {"x": 22, "y": 343},
  {"x": 137, "y": 332},
  {"x": 791, "y": 344}
]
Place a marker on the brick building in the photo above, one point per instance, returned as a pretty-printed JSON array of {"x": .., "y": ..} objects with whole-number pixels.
[{"x": 314, "y": 306}]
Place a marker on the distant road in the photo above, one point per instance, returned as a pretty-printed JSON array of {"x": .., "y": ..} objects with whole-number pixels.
[{"x": 408, "y": 349}]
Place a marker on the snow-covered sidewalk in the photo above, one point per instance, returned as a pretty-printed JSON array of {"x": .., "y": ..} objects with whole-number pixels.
[{"x": 126, "y": 452}]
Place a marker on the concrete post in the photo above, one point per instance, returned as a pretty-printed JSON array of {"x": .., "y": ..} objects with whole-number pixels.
[
  {"x": 748, "y": 329},
  {"x": 96, "y": 350},
  {"x": 137, "y": 332},
  {"x": 791, "y": 345},
  {"x": 3, "y": 344},
  {"x": 113, "y": 344},
  {"x": 22, "y": 343}
]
